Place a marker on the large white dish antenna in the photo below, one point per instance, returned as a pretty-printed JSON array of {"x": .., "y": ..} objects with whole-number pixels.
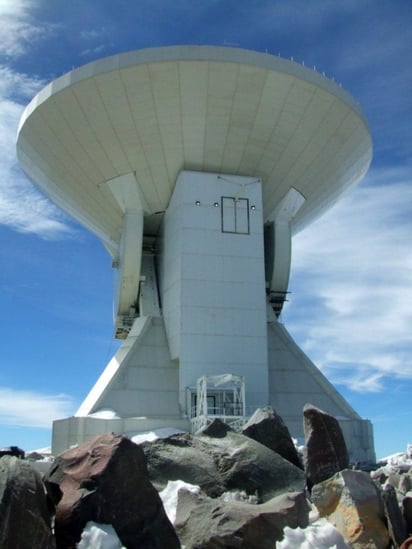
[{"x": 115, "y": 133}]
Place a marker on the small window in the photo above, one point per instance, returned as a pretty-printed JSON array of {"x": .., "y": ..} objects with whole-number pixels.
[{"x": 235, "y": 215}]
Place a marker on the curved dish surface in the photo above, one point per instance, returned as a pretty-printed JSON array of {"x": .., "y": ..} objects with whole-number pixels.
[{"x": 152, "y": 113}]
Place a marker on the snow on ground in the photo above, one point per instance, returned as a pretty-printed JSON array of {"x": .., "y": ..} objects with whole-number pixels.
[
  {"x": 105, "y": 413},
  {"x": 241, "y": 496},
  {"x": 150, "y": 436},
  {"x": 170, "y": 493},
  {"x": 99, "y": 536},
  {"x": 321, "y": 534},
  {"x": 43, "y": 451},
  {"x": 401, "y": 460}
]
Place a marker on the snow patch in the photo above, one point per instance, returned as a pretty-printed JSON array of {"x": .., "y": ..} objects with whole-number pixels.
[
  {"x": 170, "y": 494},
  {"x": 321, "y": 534},
  {"x": 105, "y": 413},
  {"x": 99, "y": 536},
  {"x": 242, "y": 496},
  {"x": 150, "y": 436},
  {"x": 400, "y": 461}
]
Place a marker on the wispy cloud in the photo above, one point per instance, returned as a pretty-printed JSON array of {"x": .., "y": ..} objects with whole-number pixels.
[
  {"x": 354, "y": 271},
  {"x": 17, "y": 30},
  {"x": 97, "y": 40},
  {"x": 33, "y": 409},
  {"x": 22, "y": 208},
  {"x": 97, "y": 50}
]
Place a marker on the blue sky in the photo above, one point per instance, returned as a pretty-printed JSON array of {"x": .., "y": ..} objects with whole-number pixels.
[{"x": 350, "y": 306}]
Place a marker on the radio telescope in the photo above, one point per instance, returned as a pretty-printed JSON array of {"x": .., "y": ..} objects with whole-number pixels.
[{"x": 195, "y": 166}]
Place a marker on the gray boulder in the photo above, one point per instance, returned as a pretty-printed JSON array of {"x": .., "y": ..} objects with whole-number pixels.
[
  {"x": 395, "y": 520},
  {"x": 405, "y": 484},
  {"x": 268, "y": 428},
  {"x": 12, "y": 451},
  {"x": 206, "y": 523},
  {"x": 105, "y": 480},
  {"x": 24, "y": 514},
  {"x": 217, "y": 429},
  {"x": 325, "y": 450},
  {"x": 232, "y": 462},
  {"x": 407, "y": 512}
]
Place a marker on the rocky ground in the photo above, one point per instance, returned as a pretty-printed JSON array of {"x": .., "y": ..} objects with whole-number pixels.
[{"x": 221, "y": 489}]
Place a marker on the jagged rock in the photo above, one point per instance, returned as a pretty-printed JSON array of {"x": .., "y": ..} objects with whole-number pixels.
[
  {"x": 396, "y": 522},
  {"x": 34, "y": 456},
  {"x": 183, "y": 457},
  {"x": 217, "y": 429},
  {"x": 325, "y": 449},
  {"x": 24, "y": 514},
  {"x": 394, "y": 478},
  {"x": 105, "y": 480},
  {"x": 206, "y": 523},
  {"x": 407, "y": 511},
  {"x": 405, "y": 484},
  {"x": 268, "y": 428},
  {"x": 379, "y": 476},
  {"x": 232, "y": 462},
  {"x": 12, "y": 451},
  {"x": 352, "y": 502}
]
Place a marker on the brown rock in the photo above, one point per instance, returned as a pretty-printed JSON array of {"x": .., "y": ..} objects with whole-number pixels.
[
  {"x": 352, "y": 502},
  {"x": 268, "y": 428},
  {"x": 325, "y": 449},
  {"x": 105, "y": 480},
  {"x": 24, "y": 513},
  {"x": 206, "y": 523}
]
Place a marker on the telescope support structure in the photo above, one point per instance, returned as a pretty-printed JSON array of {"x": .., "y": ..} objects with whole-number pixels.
[{"x": 204, "y": 300}]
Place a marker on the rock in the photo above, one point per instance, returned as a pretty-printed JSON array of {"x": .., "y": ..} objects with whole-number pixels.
[
  {"x": 24, "y": 514},
  {"x": 12, "y": 451},
  {"x": 34, "y": 456},
  {"x": 206, "y": 523},
  {"x": 233, "y": 462},
  {"x": 325, "y": 449},
  {"x": 396, "y": 522},
  {"x": 268, "y": 428},
  {"x": 394, "y": 478},
  {"x": 186, "y": 502},
  {"x": 379, "y": 476},
  {"x": 183, "y": 457},
  {"x": 352, "y": 502},
  {"x": 405, "y": 484},
  {"x": 407, "y": 511},
  {"x": 217, "y": 429},
  {"x": 105, "y": 480}
]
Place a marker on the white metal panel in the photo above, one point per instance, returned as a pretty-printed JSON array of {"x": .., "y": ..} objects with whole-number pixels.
[{"x": 212, "y": 109}]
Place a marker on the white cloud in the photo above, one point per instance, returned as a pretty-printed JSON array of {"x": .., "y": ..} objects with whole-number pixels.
[
  {"x": 94, "y": 51},
  {"x": 22, "y": 207},
  {"x": 14, "y": 84},
  {"x": 351, "y": 302},
  {"x": 17, "y": 32},
  {"x": 32, "y": 409},
  {"x": 102, "y": 39}
]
